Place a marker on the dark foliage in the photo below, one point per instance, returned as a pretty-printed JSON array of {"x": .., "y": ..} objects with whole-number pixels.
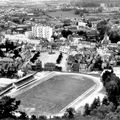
[
  {"x": 95, "y": 104},
  {"x": 103, "y": 28},
  {"x": 66, "y": 33},
  {"x": 105, "y": 101},
  {"x": 112, "y": 85},
  {"x": 87, "y": 109},
  {"x": 59, "y": 58},
  {"x": 8, "y": 106},
  {"x": 114, "y": 36},
  {"x": 57, "y": 68},
  {"x": 2, "y": 53},
  {"x": 23, "y": 116},
  {"x": 70, "y": 113},
  {"x": 34, "y": 58}
]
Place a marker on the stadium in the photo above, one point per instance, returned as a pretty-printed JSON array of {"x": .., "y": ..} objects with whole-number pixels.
[{"x": 55, "y": 93}]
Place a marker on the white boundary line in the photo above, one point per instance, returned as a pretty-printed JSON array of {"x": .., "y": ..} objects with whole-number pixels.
[
  {"x": 76, "y": 104},
  {"x": 79, "y": 98}
]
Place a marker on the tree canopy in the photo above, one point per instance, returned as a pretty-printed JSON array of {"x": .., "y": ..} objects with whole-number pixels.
[{"x": 8, "y": 107}]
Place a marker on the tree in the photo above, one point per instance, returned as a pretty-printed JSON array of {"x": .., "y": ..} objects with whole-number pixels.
[
  {"x": 2, "y": 53},
  {"x": 34, "y": 58},
  {"x": 89, "y": 24},
  {"x": 98, "y": 63},
  {"x": 75, "y": 67},
  {"x": 23, "y": 116},
  {"x": 59, "y": 58},
  {"x": 69, "y": 113},
  {"x": 95, "y": 104},
  {"x": 103, "y": 27},
  {"x": 87, "y": 109},
  {"x": 16, "y": 20},
  {"x": 42, "y": 117},
  {"x": 66, "y": 33},
  {"x": 33, "y": 117},
  {"x": 112, "y": 90},
  {"x": 112, "y": 85},
  {"x": 105, "y": 101},
  {"x": 8, "y": 107},
  {"x": 71, "y": 59},
  {"x": 114, "y": 34}
]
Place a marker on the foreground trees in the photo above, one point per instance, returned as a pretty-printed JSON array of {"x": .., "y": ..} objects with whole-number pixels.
[
  {"x": 8, "y": 107},
  {"x": 58, "y": 61},
  {"x": 112, "y": 85}
]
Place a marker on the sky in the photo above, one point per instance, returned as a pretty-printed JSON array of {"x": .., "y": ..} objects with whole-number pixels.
[
  {"x": 21, "y": 1},
  {"x": 4, "y": 2}
]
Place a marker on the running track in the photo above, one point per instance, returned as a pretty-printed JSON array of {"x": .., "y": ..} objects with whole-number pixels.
[{"x": 78, "y": 103}]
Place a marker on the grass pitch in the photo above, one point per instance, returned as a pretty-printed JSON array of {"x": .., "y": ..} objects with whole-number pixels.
[{"x": 54, "y": 94}]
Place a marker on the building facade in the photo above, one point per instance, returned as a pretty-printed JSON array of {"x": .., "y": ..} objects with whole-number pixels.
[{"x": 41, "y": 31}]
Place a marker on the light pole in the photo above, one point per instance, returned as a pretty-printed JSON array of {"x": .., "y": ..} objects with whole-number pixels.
[{"x": 51, "y": 42}]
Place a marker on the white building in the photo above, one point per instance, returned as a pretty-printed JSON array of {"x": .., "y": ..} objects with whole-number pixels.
[
  {"x": 103, "y": 5},
  {"x": 82, "y": 24},
  {"x": 21, "y": 38},
  {"x": 29, "y": 34},
  {"x": 34, "y": 30},
  {"x": 48, "y": 31},
  {"x": 42, "y": 31}
]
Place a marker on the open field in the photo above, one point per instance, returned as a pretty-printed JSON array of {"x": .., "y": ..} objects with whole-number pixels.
[
  {"x": 53, "y": 95},
  {"x": 63, "y": 14}
]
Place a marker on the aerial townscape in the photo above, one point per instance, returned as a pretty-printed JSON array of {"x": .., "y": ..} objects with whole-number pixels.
[{"x": 60, "y": 60}]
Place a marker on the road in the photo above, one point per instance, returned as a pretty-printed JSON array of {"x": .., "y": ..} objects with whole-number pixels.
[{"x": 78, "y": 103}]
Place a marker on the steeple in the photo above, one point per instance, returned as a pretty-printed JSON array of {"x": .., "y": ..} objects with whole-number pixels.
[{"x": 105, "y": 40}]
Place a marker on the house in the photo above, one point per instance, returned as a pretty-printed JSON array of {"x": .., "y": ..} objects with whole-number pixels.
[
  {"x": 75, "y": 67},
  {"x": 49, "y": 67}
]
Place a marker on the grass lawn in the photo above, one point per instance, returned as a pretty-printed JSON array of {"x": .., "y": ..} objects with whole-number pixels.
[{"x": 54, "y": 94}]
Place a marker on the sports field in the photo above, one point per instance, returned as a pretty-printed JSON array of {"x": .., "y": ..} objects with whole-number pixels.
[{"x": 54, "y": 94}]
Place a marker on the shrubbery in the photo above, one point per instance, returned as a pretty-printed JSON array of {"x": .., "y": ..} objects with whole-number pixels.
[{"x": 58, "y": 61}]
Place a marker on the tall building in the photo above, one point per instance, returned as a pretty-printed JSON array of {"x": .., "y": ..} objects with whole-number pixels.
[
  {"x": 34, "y": 31},
  {"x": 41, "y": 31},
  {"x": 48, "y": 31}
]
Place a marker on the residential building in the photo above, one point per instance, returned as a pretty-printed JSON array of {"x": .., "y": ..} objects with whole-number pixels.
[
  {"x": 41, "y": 31},
  {"x": 34, "y": 30},
  {"x": 49, "y": 67},
  {"x": 29, "y": 34}
]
